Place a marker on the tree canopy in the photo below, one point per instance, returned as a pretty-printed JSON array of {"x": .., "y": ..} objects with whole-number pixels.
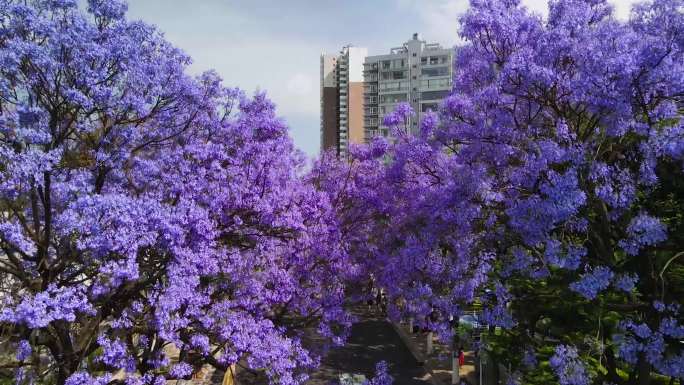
[{"x": 143, "y": 209}]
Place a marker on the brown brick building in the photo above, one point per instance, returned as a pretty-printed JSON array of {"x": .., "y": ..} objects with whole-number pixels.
[{"x": 342, "y": 92}]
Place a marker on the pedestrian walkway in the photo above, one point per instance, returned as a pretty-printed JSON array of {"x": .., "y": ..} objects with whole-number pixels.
[
  {"x": 372, "y": 339},
  {"x": 438, "y": 364}
]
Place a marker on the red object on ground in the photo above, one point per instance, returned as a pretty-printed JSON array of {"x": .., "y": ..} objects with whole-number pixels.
[{"x": 461, "y": 358}]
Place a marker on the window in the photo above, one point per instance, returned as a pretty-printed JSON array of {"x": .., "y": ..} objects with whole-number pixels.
[
  {"x": 434, "y": 95},
  {"x": 434, "y": 83},
  {"x": 436, "y": 71},
  {"x": 385, "y": 76},
  {"x": 393, "y": 98},
  {"x": 414, "y": 54},
  {"x": 434, "y": 60},
  {"x": 423, "y": 60},
  {"x": 393, "y": 86},
  {"x": 425, "y": 107},
  {"x": 399, "y": 75},
  {"x": 385, "y": 64}
]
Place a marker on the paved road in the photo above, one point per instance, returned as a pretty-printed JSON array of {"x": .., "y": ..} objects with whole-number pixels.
[{"x": 372, "y": 339}]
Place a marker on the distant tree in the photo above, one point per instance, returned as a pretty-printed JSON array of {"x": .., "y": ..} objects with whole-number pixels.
[{"x": 150, "y": 222}]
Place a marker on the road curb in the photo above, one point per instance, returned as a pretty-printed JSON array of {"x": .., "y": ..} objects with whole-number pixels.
[{"x": 416, "y": 353}]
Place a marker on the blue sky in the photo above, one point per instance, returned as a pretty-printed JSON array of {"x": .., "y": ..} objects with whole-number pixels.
[{"x": 274, "y": 45}]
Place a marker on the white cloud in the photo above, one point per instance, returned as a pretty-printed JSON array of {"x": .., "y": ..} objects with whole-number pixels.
[
  {"x": 622, "y": 7},
  {"x": 230, "y": 41},
  {"x": 439, "y": 18},
  {"x": 300, "y": 84},
  {"x": 285, "y": 68}
]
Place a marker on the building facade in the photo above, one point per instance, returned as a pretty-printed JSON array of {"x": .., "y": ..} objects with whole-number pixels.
[
  {"x": 342, "y": 105},
  {"x": 418, "y": 72},
  {"x": 357, "y": 90}
]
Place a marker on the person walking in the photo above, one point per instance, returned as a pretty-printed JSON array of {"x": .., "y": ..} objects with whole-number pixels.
[{"x": 457, "y": 361}]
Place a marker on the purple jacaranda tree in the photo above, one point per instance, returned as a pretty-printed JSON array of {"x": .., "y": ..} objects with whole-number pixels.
[
  {"x": 150, "y": 222},
  {"x": 409, "y": 228},
  {"x": 564, "y": 139},
  {"x": 548, "y": 189}
]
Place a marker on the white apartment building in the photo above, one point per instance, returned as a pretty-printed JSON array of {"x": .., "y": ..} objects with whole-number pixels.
[
  {"x": 357, "y": 90},
  {"x": 417, "y": 72}
]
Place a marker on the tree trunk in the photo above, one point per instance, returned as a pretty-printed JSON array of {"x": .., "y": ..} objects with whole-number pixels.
[
  {"x": 63, "y": 374},
  {"x": 644, "y": 371},
  {"x": 611, "y": 367},
  {"x": 493, "y": 360}
]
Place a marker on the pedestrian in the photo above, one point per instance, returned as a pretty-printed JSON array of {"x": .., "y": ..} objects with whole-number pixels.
[
  {"x": 371, "y": 291},
  {"x": 461, "y": 357},
  {"x": 378, "y": 298}
]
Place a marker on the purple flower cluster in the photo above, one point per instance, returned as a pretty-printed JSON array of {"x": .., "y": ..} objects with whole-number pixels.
[
  {"x": 24, "y": 350},
  {"x": 83, "y": 378},
  {"x": 398, "y": 119},
  {"x": 181, "y": 370},
  {"x": 382, "y": 376},
  {"x": 638, "y": 338},
  {"x": 570, "y": 259},
  {"x": 498, "y": 314},
  {"x": 41, "y": 309},
  {"x": 643, "y": 230},
  {"x": 567, "y": 365},
  {"x": 626, "y": 282},
  {"x": 593, "y": 282},
  {"x": 530, "y": 359},
  {"x": 115, "y": 354}
]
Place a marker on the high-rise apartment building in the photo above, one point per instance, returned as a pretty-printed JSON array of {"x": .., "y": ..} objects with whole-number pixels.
[
  {"x": 342, "y": 92},
  {"x": 417, "y": 72},
  {"x": 357, "y": 90}
]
